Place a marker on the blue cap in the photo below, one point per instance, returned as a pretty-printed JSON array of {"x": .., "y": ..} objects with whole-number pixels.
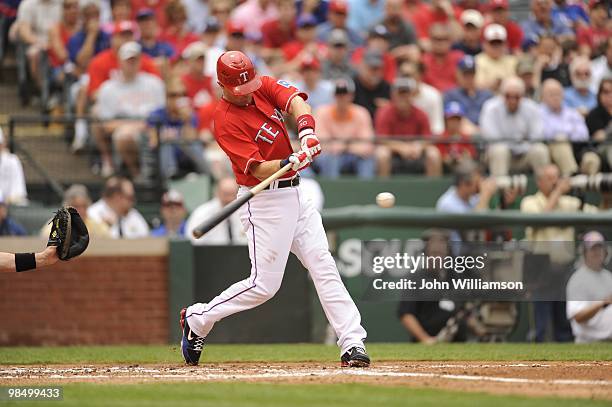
[
  {"x": 144, "y": 13},
  {"x": 454, "y": 109},
  {"x": 467, "y": 63},
  {"x": 306, "y": 20}
]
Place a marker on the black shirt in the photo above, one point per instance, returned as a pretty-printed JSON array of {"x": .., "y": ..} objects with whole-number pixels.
[
  {"x": 365, "y": 97},
  {"x": 597, "y": 119}
]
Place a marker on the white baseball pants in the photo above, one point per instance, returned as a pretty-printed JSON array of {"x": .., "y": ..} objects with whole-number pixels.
[{"x": 276, "y": 222}]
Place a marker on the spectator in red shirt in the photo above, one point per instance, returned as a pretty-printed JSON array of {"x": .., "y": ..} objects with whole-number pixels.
[
  {"x": 305, "y": 44},
  {"x": 378, "y": 40},
  {"x": 276, "y": 33},
  {"x": 60, "y": 34},
  {"x": 499, "y": 13},
  {"x": 176, "y": 32},
  {"x": 592, "y": 39},
  {"x": 198, "y": 86},
  {"x": 336, "y": 19},
  {"x": 440, "y": 11},
  {"x": 441, "y": 61},
  {"x": 396, "y": 124},
  {"x": 454, "y": 152}
]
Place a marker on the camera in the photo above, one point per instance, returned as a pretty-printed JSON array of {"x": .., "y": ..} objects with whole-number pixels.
[
  {"x": 511, "y": 181},
  {"x": 601, "y": 182}
]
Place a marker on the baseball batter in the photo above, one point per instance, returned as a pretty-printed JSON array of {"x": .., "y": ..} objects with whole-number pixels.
[{"x": 249, "y": 127}]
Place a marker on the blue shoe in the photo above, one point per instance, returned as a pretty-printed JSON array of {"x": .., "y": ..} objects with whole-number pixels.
[{"x": 191, "y": 344}]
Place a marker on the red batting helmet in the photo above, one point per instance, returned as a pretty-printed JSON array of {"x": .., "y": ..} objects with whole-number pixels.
[{"x": 236, "y": 72}]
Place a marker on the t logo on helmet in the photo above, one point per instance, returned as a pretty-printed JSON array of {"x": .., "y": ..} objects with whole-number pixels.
[{"x": 244, "y": 76}]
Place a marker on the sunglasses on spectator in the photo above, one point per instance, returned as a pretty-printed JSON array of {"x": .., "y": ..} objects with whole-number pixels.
[
  {"x": 172, "y": 205},
  {"x": 71, "y": 5},
  {"x": 496, "y": 43},
  {"x": 176, "y": 94},
  {"x": 512, "y": 96},
  {"x": 583, "y": 73},
  {"x": 440, "y": 39}
]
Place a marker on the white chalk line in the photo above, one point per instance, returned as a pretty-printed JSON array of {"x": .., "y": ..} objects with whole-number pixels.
[{"x": 277, "y": 374}]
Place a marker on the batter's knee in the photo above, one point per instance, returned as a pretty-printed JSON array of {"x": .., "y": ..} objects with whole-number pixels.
[{"x": 267, "y": 289}]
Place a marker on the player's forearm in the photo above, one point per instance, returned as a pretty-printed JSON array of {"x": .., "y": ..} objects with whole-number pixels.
[
  {"x": 7, "y": 262},
  {"x": 28, "y": 261},
  {"x": 263, "y": 170},
  {"x": 415, "y": 328},
  {"x": 299, "y": 107},
  {"x": 586, "y": 314}
]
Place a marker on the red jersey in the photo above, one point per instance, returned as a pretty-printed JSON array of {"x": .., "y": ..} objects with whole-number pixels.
[
  {"x": 593, "y": 37},
  {"x": 199, "y": 90},
  {"x": 65, "y": 35},
  {"x": 389, "y": 64},
  {"x": 441, "y": 74},
  {"x": 106, "y": 64},
  {"x": 514, "y": 32},
  {"x": 456, "y": 150},
  {"x": 257, "y": 132},
  {"x": 390, "y": 122}
]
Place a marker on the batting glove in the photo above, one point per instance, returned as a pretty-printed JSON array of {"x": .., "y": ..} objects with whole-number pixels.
[
  {"x": 300, "y": 160},
  {"x": 308, "y": 141}
]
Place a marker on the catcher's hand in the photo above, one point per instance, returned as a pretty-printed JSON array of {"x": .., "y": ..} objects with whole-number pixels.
[{"x": 68, "y": 233}]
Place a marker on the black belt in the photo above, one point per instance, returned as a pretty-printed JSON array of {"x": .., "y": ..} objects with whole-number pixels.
[{"x": 286, "y": 183}]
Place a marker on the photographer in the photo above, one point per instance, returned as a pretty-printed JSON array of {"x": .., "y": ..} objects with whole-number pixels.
[
  {"x": 589, "y": 293},
  {"x": 552, "y": 197}
]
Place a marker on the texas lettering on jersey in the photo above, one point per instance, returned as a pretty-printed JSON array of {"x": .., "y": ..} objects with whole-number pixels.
[{"x": 257, "y": 132}]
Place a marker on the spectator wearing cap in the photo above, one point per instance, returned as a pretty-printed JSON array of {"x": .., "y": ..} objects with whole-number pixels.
[
  {"x": 346, "y": 132},
  {"x": 336, "y": 20},
  {"x": 12, "y": 180},
  {"x": 541, "y": 21},
  {"x": 337, "y": 64},
  {"x": 364, "y": 14},
  {"x": 114, "y": 11},
  {"x": 320, "y": 91},
  {"x": 592, "y": 37},
  {"x": 173, "y": 129},
  {"x": 499, "y": 13},
  {"x": 402, "y": 35},
  {"x": 494, "y": 64},
  {"x": 579, "y": 96},
  {"x": 549, "y": 62},
  {"x": 8, "y": 225},
  {"x": 602, "y": 66},
  {"x": 396, "y": 125},
  {"x": 116, "y": 209},
  {"x": 198, "y": 12},
  {"x": 78, "y": 197},
  {"x": 466, "y": 94},
  {"x": 562, "y": 127},
  {"x": 176, "y": 32},
  {"x": 472, "y": 22},
  {"x": 516, "y": 120},
  {"x": 198, "y": 85},
  {"x": 280, "y": 31},
  {"x": 571, "y": 14},
  {"x": 441, "y": 61},
  {"x": 525, "y": 69},
  {"x": 589, "y": 293},
  {"x": 34, "y": 20},
  {"x": 319, "y": 9},
  {"x": 173, "y": 216},
  {"x": 427, "y": 98},
  {"x": 456, "y": 146},
  {"x": 149, "y": 30},
  {"x": 371, "y": 89},
  {"x": 158, "y": 7},
  {"x": 90, "y": 40},
  {"x": 212, "y": 33},
  {"x": 252, "y": 15},
  {"x": 123, "y": 103},
  {"x": 378, "y": 41},
  {"x": 228, "y": 232},
  {"x": 305, "y": 44}
]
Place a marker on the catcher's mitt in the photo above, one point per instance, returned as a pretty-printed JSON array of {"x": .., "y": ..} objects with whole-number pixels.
[{"x": 68, "y": 233}]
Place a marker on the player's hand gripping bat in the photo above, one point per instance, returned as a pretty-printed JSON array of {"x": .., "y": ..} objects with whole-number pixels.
[{"x": 233, "y": 206}]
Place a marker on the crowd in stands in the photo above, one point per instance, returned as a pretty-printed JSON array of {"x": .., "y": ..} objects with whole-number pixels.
[{"x": 430, "y": 76}]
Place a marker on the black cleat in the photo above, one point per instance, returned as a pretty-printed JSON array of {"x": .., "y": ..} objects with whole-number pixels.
[
  {"x": 191, "y": 344},
  {"x": 355, "y": 357}
]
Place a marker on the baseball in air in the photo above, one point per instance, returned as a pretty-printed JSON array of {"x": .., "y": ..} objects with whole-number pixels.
[{"x": 385, "y": 200}]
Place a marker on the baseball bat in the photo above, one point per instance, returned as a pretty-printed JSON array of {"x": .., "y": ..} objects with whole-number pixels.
[{"x": 233, "y": 206}]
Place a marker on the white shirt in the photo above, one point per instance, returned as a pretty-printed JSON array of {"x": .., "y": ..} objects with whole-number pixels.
[
  {"x": 430, "y": 100},
  {"x": 134, "y": 99},
  {"x": 40, "y": 15},
  {"x": 584, "y": 289},
  {"x": 131, "y": 226},
  {"x": 197, "y": 13},
  {"x": 219, "y": 235},
  {"x": 12, "y": 181},
  {"x": 599, "y": 70}
]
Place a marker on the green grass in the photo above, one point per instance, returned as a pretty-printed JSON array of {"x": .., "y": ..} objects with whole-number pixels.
[
  {"x": 304, "y": 352},
  {"x": 294, "y": 395}
]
